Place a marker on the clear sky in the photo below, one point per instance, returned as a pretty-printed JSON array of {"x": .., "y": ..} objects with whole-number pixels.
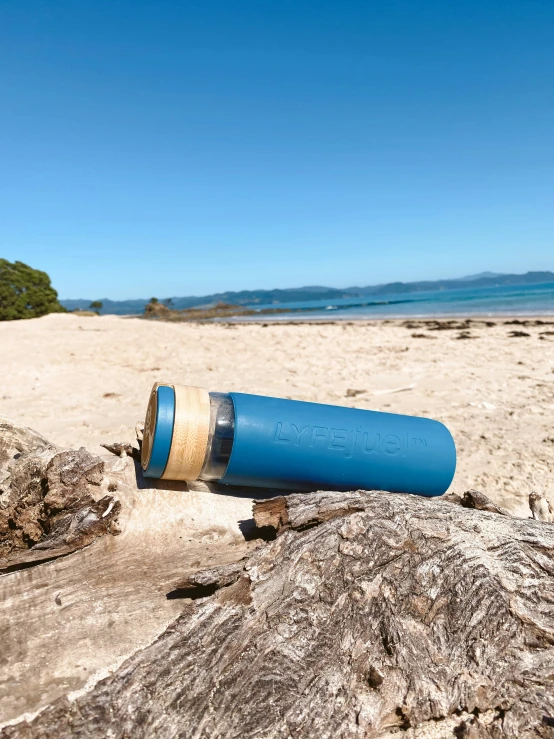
[{"x": 177, "y": 148}]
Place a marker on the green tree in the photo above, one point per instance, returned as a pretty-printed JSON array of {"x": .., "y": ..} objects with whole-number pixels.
[
  {"x": 25, "y": 292},
  {"x": 96, "y": 305},
  {"x": 152, "y": 308}
]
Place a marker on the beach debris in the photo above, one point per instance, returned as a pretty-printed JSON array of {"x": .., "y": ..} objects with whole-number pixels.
[
  {"x": 447, "y": 325},
  {"x": 122, "y": 449},
  {"x": 482, "y": 404},
  {"x": 528, "y": 322},
  {"x": 465, "y": 335},
  {"x": 423, "y": 336},
  {"x": 390, "y": 391},
  {"x": 515, "y": 334},
  {"x": 352, "y": 392},
  {"x": 541, "y": 509},
  {"x": 480, "y": 502}
]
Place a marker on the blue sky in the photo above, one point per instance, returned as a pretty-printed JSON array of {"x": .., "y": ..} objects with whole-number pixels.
[{"x": 178, "y": 148}]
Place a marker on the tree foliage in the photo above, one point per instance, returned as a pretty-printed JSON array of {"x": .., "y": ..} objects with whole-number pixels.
[
  {"x": 96, "y": 305},
  {"x": 155, "y": 309},
  {"x": 25, "y": 292}
]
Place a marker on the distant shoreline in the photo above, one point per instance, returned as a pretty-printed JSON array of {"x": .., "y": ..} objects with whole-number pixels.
[
  {"x": 547, "y": 316},
  {"x": 287, "y": 320},
  {"x": 390, "y": 292}
]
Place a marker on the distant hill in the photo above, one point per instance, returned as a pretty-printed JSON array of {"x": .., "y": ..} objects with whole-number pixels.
[
  {"x": 496, "y": 280},
  {"x": 480, "y": 276},
  {"x": 301, "y": 294},
  {"x": 244, "y": 297}
]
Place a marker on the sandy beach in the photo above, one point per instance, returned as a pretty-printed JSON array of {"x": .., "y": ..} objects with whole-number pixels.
[{"x": 86, "y": 380}]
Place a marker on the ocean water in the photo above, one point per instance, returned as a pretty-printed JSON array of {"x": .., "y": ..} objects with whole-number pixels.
[{"x": 522, "y": 300}]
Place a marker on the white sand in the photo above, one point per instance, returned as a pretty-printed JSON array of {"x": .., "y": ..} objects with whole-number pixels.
[{"x": 83, "y": 381}]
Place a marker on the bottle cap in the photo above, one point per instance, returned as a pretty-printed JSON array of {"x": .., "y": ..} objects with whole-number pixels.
[{"x": 176, "y": 432}]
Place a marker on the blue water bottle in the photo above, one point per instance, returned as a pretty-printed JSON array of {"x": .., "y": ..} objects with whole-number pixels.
[{"x": 241, "y": 439}]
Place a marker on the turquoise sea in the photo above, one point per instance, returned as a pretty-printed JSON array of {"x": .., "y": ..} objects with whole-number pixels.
[{"x": 522, "y": 300}]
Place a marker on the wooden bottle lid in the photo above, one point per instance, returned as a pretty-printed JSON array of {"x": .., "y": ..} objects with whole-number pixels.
[{"x": 176, "y": 432}]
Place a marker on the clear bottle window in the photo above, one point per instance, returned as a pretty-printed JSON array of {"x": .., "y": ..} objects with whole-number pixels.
[{"x": 221, "y": 435}]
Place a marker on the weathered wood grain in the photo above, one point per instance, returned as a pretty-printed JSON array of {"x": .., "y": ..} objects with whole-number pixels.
[
  {"x": 361, "y": 614},
  {"x": 48, "y": 506},
  {"x": 370, "y": 614},
  {"x": 68, "y": 617}
]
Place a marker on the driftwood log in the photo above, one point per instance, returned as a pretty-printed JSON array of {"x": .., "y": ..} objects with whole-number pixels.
[{"x": 129, "y": 611}]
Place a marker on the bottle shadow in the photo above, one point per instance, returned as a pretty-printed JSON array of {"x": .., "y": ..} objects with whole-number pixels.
[{"x": 218, "y": 488}]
